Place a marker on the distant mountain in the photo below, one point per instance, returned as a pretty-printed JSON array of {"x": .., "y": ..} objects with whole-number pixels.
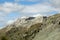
[{"x": 33, "y": 28}]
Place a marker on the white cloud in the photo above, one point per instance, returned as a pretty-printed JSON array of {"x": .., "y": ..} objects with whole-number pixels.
[
  {"x": 38, "y": 8},
  {"x": 55, "y": 3},
  {"x": 10, "y": 21},
  {"x": 10, "y": 7},
  {"x": 27, "y": 0},
  {"x": 1, "y": 13},
  {"x": 32, "y": 0}
]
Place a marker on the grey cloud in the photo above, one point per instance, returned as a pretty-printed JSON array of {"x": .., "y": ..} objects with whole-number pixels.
[{"x": 55, "y": 3}]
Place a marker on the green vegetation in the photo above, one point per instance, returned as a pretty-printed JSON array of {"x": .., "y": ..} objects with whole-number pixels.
[{"x": 3, "y": 38}]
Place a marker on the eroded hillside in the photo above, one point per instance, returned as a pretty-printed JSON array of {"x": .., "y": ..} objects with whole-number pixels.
[{"x": 33, "y": 28}]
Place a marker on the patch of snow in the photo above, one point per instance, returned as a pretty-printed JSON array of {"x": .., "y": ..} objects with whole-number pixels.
[
  {"x": 37, "y": 15},
  {"x": 24, "y": 17}
]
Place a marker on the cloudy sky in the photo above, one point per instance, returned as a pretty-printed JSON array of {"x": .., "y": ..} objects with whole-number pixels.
[{"x": 13, "y": 9}]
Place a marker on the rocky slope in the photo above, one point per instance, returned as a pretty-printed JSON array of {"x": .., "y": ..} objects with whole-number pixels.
[{"x": 33, "y": 28}]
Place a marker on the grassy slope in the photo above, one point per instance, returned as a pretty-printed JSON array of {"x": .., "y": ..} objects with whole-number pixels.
[{"x": 51, "y": 30}]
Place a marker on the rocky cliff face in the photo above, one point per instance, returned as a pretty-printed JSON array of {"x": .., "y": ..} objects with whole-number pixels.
[{"x": 33, "y": 28}]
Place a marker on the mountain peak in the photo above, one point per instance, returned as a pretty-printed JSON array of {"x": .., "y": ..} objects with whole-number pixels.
[{"x": 33, "y": 28}]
